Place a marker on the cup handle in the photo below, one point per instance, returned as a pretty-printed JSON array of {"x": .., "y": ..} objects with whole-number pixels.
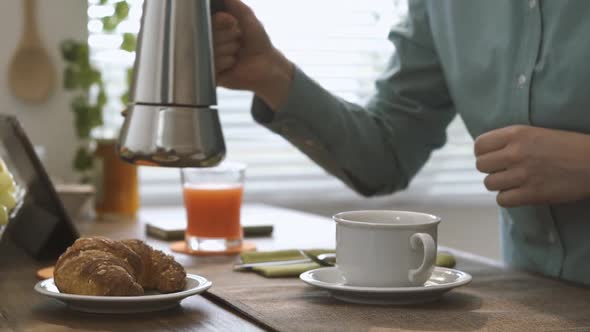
[{"x": 429, "y": 246}]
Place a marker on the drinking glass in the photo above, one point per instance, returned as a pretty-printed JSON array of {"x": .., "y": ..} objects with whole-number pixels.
[{"x": 213, "y": 200}]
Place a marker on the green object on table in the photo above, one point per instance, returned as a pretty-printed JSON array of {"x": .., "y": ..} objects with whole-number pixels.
[
  {"x": 285, "y": 271},
  {"x": 282, "y": 271},
  {"x": 175, "y": 229},
  {"x": 3, "y": 215},
  {"x": 257, "y": 230},
  {"x": 270, "y": 256},
  {"x": 443, "y": 259}
]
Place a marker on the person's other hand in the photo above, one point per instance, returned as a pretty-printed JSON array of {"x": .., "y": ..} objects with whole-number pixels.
[
  {"x": 245, "y": 58},
  {"x": 530, "y": 165}
]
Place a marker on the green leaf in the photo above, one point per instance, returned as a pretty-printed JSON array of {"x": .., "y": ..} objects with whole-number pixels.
[
  {"x": 83, "y": 160},
  {"x": 129, "y": 76},
  {"x": 70, "y": 78},
  {"x": 129, "y": 42},
  {"x": 125, "y": 98},
  {"x": 94, "y": 117},
  {"x": 101, "y": 99},
  {"x": 88, "y": 76},
  {"x": 110, "y": 23},
  {"x": 68, "y": 50},
  {"x": 82, "y": 54},
  {"x": 83, "y": 125},
  {"x": 75, "y": 52},
  {"x": 81, "y": 116},
  {"x": 95, "y": 76},
  {"x": 87, "y": 117},
  {"x": 80, "y": 104},
  {"x": 121, "y": 10}
]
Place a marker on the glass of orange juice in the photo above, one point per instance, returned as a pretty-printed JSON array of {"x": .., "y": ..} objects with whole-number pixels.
[{"x": 213, "y": 199}]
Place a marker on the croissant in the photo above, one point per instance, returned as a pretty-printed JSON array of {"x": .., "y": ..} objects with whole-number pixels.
[
  {"x": 100, "y": 266},
  {"x": 160, "y": 271}
]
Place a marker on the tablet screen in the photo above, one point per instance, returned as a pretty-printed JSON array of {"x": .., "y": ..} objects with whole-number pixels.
[{"x": 38, "y": 222}]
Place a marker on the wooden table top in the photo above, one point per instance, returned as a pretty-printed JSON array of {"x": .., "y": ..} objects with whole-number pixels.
[{"x": 21, "y": 308}]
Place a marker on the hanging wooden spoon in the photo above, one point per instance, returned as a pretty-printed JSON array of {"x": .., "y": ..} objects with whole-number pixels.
[{"x": 31, "y": 73}]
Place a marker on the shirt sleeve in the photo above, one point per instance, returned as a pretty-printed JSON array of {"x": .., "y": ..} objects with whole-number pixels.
[{"x": 376, "y": 148}]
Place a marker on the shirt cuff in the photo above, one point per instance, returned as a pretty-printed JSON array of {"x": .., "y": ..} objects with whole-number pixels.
[
  {"x": 275, "y": 120},
  {"x": 304, "y": 120},
  {"x": 304, "y": 113}
]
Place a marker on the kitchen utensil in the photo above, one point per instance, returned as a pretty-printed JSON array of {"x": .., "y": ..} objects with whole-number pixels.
[
  {"x": 172, "y": 119},
  {"x": 327, "y": 259},
  {"x": 248, "y": 266},
  {"x": 31, "y": 73}
]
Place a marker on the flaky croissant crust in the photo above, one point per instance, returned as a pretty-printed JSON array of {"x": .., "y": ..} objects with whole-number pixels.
[{"x": 100, "y": 266}]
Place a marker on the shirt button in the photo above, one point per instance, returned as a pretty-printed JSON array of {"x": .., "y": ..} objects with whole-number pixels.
[
  {"x": 285, "y": 130},
  {"x": 532, "y": 4},
  {"x": 309, "y": 143},
  {"x": 521, "y": 80}
]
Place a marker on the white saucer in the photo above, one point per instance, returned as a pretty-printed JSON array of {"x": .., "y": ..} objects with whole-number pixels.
[
  {"x": 441, "y": 281},
  {"x": 153, "y": 301}
]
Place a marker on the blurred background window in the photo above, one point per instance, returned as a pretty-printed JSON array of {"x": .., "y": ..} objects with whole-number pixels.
[{"x": 343, "y": 45}]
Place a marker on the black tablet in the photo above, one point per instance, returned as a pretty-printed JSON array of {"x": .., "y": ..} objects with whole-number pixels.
[{"x": 39, "y": 223}]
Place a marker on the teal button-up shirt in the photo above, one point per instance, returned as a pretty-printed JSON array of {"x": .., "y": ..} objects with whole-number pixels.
[{"x": 495, "y": 63}]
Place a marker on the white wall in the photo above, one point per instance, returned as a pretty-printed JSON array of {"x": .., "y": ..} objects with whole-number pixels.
[{"x": 49, "y": 124}]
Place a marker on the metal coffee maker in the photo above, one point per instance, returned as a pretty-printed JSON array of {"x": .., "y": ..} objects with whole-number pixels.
[{"x": 172, "y": 119}]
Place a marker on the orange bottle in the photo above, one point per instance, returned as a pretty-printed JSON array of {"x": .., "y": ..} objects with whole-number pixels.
[{"x": 117, "y": 185}]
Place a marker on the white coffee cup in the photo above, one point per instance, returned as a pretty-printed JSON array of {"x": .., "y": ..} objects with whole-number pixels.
[{"x": 381, "y": 248}]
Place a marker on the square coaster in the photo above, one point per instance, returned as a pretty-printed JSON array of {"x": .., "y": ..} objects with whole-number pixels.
[{"x": 180, "y": 247}]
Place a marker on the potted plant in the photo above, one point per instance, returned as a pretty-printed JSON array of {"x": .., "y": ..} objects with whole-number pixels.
[{"x": 94, "y": 160}]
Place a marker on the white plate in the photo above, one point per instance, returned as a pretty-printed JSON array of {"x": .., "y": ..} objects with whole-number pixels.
[
  {"x": 441, "y": 281},
  {"x": 124, "y": 304}
]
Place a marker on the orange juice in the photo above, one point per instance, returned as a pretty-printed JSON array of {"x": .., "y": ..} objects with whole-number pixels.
[
  {"x": 213, "y": 211},
  {"x": 117, "y": 184}
]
